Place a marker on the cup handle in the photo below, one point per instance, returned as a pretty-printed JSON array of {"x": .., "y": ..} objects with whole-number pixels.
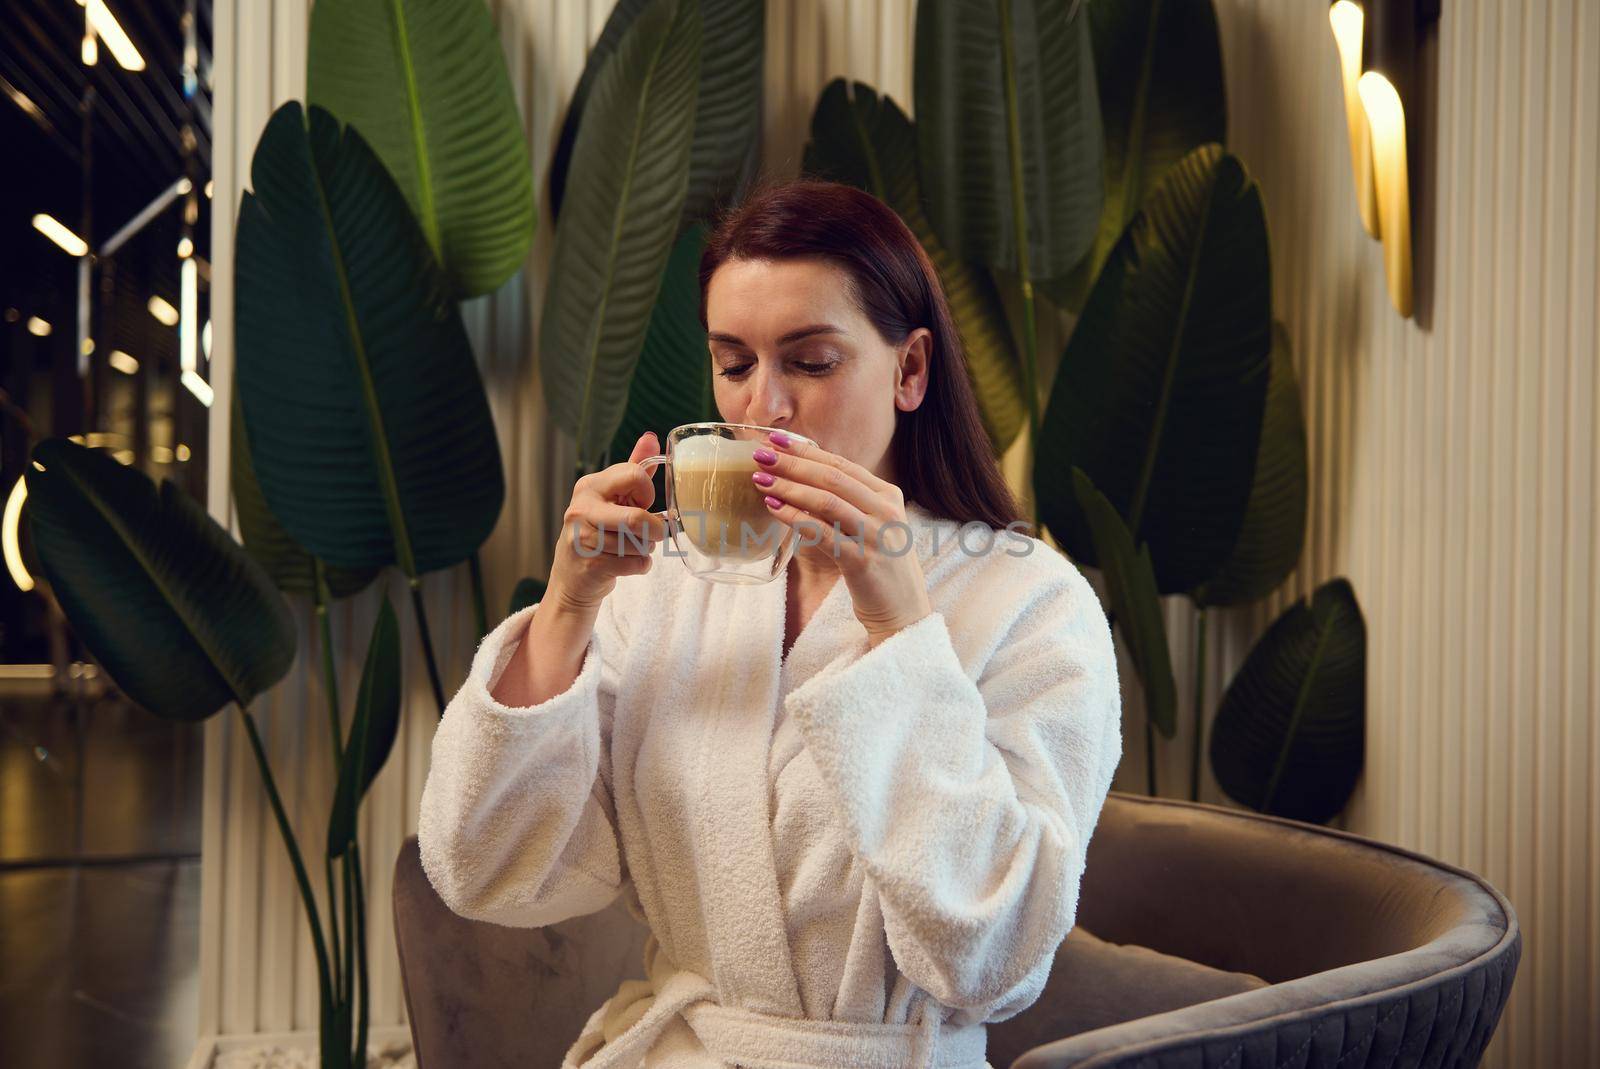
[{"x": 649, "y": 464}]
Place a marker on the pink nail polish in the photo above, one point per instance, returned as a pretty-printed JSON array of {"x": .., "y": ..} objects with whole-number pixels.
[
  {"x": 778, "y": 438},
  {"x": 773, "y": 503},
  {"x": 762, "y": 478},
  {"x": 765, "y": 456}
]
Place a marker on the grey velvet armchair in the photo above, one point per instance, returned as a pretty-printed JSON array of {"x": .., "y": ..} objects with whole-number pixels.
[{"x": 1220, "y": 939}]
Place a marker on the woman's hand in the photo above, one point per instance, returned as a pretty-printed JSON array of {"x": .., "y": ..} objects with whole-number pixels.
[
  {"x": 814, "y": 490},
  {"x": 603, "y": 504}
]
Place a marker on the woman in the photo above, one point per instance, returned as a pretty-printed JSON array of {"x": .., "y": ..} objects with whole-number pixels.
[{"x": 852, "y": 806}]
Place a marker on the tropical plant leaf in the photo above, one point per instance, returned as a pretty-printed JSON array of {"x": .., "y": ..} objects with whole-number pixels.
[
  {"x": 1290, "y": 732},
  {"x": 865, "y": 140},
  {"x": 1274, "y": 531},
  {"x": 366, "y": 416},
  {"x": 1131, "y": 588},
  {"x": 1160, "y": 392},
  {"x": 425, "y": 82},
  {"x": 529, "y": 591},
  {"x": 1158, "y": 65},
  {"x": 672, "y": 382},
  {"x": 726, "y": 150},
  {"x": 1001, "y": 81},
  {"x": 179, "y": 614},
  {"x": 630, "y": 170},
  {"x": 372, "y": 729},
  {"x": 291, "y": 567}
]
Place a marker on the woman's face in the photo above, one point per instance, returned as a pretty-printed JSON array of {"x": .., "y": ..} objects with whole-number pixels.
[{"x": 790, "y": 349}]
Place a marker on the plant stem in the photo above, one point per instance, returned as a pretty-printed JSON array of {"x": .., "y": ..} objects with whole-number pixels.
[
  {"x": 1150, "y": 755},
  {"x": 323, "y": 598},
  {"x": 333, "y": 925},
  {"x": 353, "y": 924},
  {"x": 306, "y": 897},
  {"x": 361, "y": 959},
  {"x": 427, "y": 642},
  {"x": 1030, "y": 375},
  {"x": 479, "y": 612},
  {"x": 1199, "y": 705}
]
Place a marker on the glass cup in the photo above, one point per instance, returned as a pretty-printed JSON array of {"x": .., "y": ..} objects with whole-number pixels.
[{"x": 717, "y": 520}]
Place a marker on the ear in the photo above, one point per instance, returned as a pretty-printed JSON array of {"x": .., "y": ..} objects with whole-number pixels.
[{"x": 911, "y": 369}]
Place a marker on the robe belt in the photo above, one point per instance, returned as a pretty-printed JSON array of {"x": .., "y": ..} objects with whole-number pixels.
[
  {"x": 751, "y": 1039},
  {"x": 755, "y": 1040}
]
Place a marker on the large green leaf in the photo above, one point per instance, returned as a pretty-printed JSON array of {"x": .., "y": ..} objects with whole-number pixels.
[
  {"x": 865, "y": 140},
  {"x": 1160, "y": 392},
  {"x": 727, "y": 143},
  {"x": 1008, "y": 124},
  {"x": 672, "y": 383},
  {"x": 425, "y": 82},
  {"x": 367, "y": 419},
  {"x": 1289, "y": 735},
  {"x": 178, "y": 613},
  {"x": 1131, "y": 588},
  {"x": 290, "y": 566},
  {"x": 1274, "y": 530},
  {"x": 1158, "y": 64},
  {"x": 372, "y": 729},
  {"x": 630, "y": 170}
]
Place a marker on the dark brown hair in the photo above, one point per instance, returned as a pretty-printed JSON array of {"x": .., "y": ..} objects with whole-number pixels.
[{"x": 942, "y": 456}]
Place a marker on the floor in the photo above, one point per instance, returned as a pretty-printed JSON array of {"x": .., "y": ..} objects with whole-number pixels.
[{"x": 99, "y": 883}]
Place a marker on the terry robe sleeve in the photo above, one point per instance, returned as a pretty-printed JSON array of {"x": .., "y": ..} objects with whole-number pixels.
[
  {"x": 517, "y": 823},
  {"x": 969, "y": 798}
]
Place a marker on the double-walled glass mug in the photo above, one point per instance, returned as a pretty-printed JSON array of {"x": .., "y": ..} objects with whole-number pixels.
[{"x": 717, "y": 520}]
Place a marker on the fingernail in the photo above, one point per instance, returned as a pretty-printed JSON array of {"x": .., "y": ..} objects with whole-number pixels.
[
  {"x": 778, "y": 438},
  {"x": 773, "y": 503},
  {"x": 765, "y": 456},
  {"x": 762, "y": 478}
]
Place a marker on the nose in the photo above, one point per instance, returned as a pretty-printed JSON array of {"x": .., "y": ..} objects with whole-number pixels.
[{"x": 770, "y": 404}]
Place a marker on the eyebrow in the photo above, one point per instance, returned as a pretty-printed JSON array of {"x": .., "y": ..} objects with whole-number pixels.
[{"x": 792, "y": 336}]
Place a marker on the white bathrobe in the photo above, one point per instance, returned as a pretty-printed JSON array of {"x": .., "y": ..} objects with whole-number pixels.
[{"x": 847, "y": 858}]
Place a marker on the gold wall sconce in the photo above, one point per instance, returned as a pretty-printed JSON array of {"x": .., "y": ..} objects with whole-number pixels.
[{"x": 1377, "y": 45}]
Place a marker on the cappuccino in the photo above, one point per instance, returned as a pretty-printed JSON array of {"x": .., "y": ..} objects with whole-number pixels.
[{"x": 721, "y": 511}]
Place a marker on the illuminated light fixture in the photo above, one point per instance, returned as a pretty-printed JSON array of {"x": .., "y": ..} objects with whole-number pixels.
[
  {"x": 161, "y": 454},
  {"x": 39, "y": 328},
  {"x": 123, "y": 362},
  {"x": 182, "y": 452},
  {"x": 86, "y": 346},
  {"x": 105, "y": 24},
  {"x": 197, "y": 386},
  {"x": 91, "y": 50},
  {"x": 184, "y": 187},
  {"x": 1385, "y": 54},
  {"x": 10, "y": 527},
  {"x": 1388, "y": 119},
  {"x": 185, "y": 248},
  {"x": 205, "y": 339},
  {"x": 1388, "y": 90},
  {"x": 188, "y": 329},
  {"x": 51, "y": 227},
  {"x": 124, "y": 456},
  {"x": 1348, "y": 19},
  {"x": 209, "y": 185},
  {"x": 163, "y": 311}
]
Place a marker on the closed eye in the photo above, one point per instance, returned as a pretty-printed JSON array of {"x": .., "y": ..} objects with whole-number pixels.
[{"x": 809, "y": 367}]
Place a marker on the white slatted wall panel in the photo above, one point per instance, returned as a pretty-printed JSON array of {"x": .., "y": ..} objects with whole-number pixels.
[{"x": 1453, "y": 467}]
